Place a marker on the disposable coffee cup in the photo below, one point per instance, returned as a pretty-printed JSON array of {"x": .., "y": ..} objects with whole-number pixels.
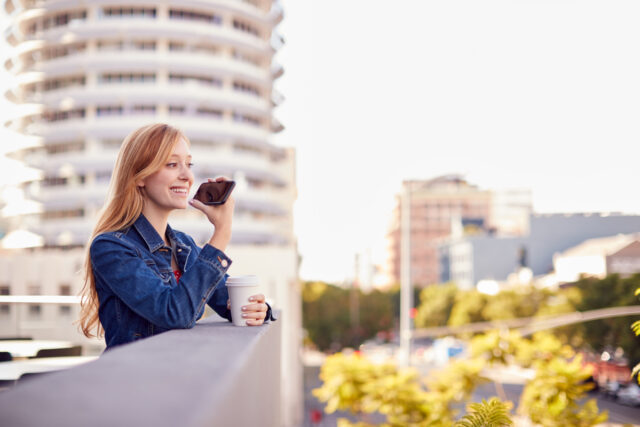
[{"x": 240, "y": 289}]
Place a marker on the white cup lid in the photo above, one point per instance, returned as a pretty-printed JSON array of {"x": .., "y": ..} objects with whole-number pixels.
[{"x": 242, "y": 281}]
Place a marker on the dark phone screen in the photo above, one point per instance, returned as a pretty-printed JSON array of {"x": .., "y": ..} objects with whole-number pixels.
[{"x": 214, "y": 193}]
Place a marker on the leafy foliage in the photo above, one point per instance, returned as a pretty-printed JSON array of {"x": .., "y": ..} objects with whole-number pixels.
[
  {"x": 552, "y": 397},
  {"x": 493, "y": 413},
  {"x": 436, "y": 305},
  {"x": 327, "y": 320},
  {"x": 351, "y": 382}
]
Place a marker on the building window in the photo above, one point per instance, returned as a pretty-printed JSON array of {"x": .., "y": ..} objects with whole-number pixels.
[
  {"x": 243, "y": 118},
  {"x": 35, "y": 310},
  {"x": 34, "y": 290},
  {"x": 187, "y": 78},
  {"x": 102, "y": 176},
  {"x": 5, "y": 309},
  {"x": 176, "y": 46},
  {"x": 62, "y": 19},
  {"x": 65, "y": 289},
  {"x": 57, "y": 116},
  {"x": 72, "y": 213},
  {"x": 246, "y": 87},
  {"x": 128, "y": 12},
  {"x": 5, "y": 290},
  {"x": 203, "y": 111},
  {"x": 127, "y": 78},
  {"x": 110, "y": 110},
  {"x": 246, "y": 58},
  {"x": 144, "y": 109},
  {"x": 64, "y": 310},
  {"x": 65, "y": 147},
  {"x": 177, "y": 109},
  {"x": 195, "y": 16},
  {"x": 245, "y": 27},
  {"x": 120, "y": 45}
]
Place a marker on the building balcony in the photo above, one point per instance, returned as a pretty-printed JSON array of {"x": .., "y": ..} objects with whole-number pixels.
[
  {"x": 82, "y": 30},
  {"x": 117, "y": 126},
  {"x": 213, "y": 374},
  {"x": 146, "y": 60}
]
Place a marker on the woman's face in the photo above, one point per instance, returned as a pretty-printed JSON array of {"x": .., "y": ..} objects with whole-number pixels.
[{"x": 168, "y": 188}]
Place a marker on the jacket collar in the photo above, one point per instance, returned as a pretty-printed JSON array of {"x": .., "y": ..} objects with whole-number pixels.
[{"x": 149, "y": 234}]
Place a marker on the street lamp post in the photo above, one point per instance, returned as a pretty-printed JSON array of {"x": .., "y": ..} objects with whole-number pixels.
[{"x": 406, "y": 291}]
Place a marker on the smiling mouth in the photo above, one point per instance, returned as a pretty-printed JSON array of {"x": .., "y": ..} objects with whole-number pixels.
[{"x": 180, "y": 190}]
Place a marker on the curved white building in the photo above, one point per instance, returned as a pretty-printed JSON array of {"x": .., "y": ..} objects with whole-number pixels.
[{"x": 96, "y": 69}]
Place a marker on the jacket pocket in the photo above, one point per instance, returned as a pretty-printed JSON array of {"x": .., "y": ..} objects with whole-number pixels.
[{"x": 163, "y": 274}]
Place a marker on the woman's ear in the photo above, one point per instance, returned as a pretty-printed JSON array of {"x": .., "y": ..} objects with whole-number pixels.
[{"x": 140, "y": 183}]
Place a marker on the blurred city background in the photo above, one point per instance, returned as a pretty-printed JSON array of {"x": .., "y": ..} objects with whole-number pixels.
[{"x": 439, "y": 190}]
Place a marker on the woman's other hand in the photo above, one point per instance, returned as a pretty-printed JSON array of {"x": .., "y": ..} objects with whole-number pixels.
[
  {"x": 221, "y": 216},
  {"x": 256, "y": 312}
]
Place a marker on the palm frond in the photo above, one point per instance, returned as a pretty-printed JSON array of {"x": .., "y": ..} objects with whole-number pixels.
[{"x": 494, "y": 413}]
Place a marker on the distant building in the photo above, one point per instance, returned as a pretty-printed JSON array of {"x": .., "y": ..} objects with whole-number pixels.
[
  {"x": 438, "y": 203},
  {"x": 468, "y": 259},
  {"x": 599, "y": 257}
]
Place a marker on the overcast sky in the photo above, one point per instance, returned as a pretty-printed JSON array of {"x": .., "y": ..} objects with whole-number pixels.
[{"x": 529, "y": 94}]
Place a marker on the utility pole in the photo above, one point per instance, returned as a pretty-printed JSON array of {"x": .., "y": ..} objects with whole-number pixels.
[
  {"x": 354, "y": 301},
  {"x": 406, "y": 290}
]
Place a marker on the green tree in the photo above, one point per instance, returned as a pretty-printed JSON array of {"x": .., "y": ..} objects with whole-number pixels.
[
  {"x": 599, "y": 335},
  {"x": 436, "y": 303},
  {"x": 468, "y": 308},
  {"x": 327, "y": 316}
]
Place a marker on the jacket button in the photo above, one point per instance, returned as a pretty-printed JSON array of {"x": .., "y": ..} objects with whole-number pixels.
[
  {"x": 224, "y": 263},
  {"x": 179, "y": 250}
]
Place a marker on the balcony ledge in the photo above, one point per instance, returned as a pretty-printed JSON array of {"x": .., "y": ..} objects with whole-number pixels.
[{"x": 213, "y": 374}]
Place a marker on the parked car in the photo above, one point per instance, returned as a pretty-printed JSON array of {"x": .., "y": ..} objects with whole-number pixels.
[
  {"x": 629, "y": 395},
  {"x": 611, "y": 389}
]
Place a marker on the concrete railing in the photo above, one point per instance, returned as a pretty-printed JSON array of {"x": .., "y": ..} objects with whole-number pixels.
[{"x": 215, "y": 374}]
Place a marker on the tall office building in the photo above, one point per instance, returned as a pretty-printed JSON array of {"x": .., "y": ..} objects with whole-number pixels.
[
  {"x": 433, "y": 205},
  {"x": 94, "y": 72},
  {"x": 437, "y": 206}
]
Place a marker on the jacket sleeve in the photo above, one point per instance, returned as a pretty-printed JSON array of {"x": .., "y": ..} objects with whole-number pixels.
[
  {"x": 218, "y": 300},
  {"x": 166, "y": 304}
]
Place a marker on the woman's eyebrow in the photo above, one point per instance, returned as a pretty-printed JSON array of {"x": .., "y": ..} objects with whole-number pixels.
[{"x": 176, "y": 155}]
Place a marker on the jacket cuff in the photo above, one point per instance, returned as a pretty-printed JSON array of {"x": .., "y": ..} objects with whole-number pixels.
[
  {"x": 216, "y": 257},
  {"x": 269, "y": 315}
]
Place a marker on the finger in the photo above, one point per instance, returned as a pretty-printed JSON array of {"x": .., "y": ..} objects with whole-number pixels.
[
  {"x": 197, "y": 204},
  {"x": 255, "y": 315},
  {"x": 257, "y": 298},
  {"x": 255, "y": 322},
  {"x": 255, "y": 307}
]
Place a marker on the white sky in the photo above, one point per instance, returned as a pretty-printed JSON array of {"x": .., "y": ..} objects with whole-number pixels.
[{"x": 535, "y": 94}]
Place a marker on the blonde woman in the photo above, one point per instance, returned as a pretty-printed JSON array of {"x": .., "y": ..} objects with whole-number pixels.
[{"x": 143, "y": 277}]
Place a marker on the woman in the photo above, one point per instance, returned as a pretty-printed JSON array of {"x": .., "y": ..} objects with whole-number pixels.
[{"x": 143, "y": 277}]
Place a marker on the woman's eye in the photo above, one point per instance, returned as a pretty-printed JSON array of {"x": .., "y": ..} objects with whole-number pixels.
[
  {"x": 172, "y": 165},
  {"x": 190, "y": 165}
]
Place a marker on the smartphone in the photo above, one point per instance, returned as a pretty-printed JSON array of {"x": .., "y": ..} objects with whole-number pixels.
[{"x": 214, "y": 193}]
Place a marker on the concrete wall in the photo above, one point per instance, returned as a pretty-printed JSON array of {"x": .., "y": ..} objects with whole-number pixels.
[{"x": 214, "y": 374}]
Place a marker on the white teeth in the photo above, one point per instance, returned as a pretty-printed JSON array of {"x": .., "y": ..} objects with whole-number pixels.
[{"x": 179, "y": 190}]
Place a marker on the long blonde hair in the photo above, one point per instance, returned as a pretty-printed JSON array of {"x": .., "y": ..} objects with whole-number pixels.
[{"x": 142, "y": 153}]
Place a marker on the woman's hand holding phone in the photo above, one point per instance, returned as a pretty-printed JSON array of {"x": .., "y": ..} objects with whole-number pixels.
[{"x": 221, "y": 216}]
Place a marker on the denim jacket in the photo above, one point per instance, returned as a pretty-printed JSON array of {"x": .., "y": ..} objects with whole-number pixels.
[{"x": 137, "y": 290}]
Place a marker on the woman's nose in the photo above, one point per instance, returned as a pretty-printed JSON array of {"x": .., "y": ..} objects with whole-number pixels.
[{"x": 186, "y": 174}]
